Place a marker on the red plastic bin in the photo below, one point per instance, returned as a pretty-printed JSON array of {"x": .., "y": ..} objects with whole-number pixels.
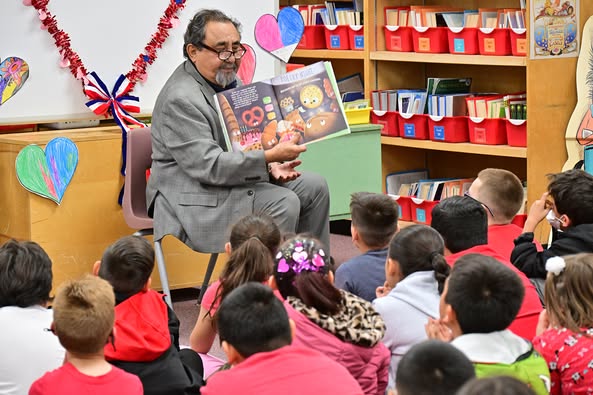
[
  {"x": 490, "y": 131},
  {"x": 398, "y": 38},
  {"x": 422, "y": 210},
  {"x": 336, "y": 37},
  {"x": 413, "y": 126},
  {"x": 356, "y": 37},
  {"x": 448, "y": 129},
  {"x": 405, "y": 207},
  {"x": 517, "y": 132},
  {"x": 463, "y": 40},
  {"x": 518, "y": 42},
  {"x": 389, "y": 121},
  {"x": 430, "y": 39},
  {"x": 313, "y": 38},
  {"x": 494, "y": 41}
]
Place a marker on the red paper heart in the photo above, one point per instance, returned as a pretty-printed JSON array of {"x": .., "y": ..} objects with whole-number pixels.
[{"x": 247, "y": 69}]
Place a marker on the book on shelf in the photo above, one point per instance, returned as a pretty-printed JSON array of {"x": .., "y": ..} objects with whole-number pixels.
[
  {"x": 401, "y": 183},
  {"x": 453, "y": 18},
  {"x": 442, "y": 86},
  {"x": 411, "y": 101},
  {"x": 262, "y": 114},
  {"x": 451, "y": 105},
  {"x": 471, "y": 18}
]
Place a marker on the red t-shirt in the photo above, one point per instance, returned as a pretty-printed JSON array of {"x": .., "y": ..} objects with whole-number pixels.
[
  {"x": 289, "y": 370},
  {"x": 67, "y": 380},
  {"x": 526, "y": 321},
  {"x": 209, "y": 296},
  {"x": 501, "y": 239},
  {"x": 569, "y": 356}
]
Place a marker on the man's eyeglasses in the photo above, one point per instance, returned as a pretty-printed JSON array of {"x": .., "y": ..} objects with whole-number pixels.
[
  {"x": 225, "y": 54},
  {"x": 466, "y": 194}
]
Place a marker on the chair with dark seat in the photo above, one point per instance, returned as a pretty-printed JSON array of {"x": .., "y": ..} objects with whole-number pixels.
[{"x": 138, "y": 161}]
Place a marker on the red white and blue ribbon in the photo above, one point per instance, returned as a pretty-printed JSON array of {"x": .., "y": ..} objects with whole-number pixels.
[{"x": 117, "y": 102}]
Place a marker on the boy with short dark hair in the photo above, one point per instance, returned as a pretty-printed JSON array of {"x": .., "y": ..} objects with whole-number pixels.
[
  {"x": 502, "y": 193},
  {"x": 374, "y": 222},
  {"x": 147, "y": 329},
  {"x": 433, "y": 367},
  {"x": 83, "y": 322},
  {"x": 568, "y": 207},
  {"x": 256, "y": 335},
  {"x": 462, "y": 223},
  {"x": 480, "y": 300}
]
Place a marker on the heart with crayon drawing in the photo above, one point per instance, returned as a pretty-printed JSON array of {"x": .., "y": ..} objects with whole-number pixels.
[
  {"x": 13, "y": 75},
  {"x": 47, "y": 172},
  {"x": 280, "y": 36},
  {"x": 247, "y": 68}
]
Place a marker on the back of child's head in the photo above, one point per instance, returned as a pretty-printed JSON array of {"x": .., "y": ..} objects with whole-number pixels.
[
  {"x": 375, "y": 217},
  {"x": 495, "y": 385},
  {"x": 254, "y": 240},
  {"x": 502, "y": 192},
  {"x": 569, "y": 291},
  {"x": 84, "y": 314},
  {"x": 252, "y": 320},
  {"x": 433, "y": 367},
  {"x": 462, "y": 221},
  {"x": 301, "y": 269},
  {"x": 572, "y": 192},
  {"x": 127, "y": 264},
  {"x": 484, "y": 294},
  {"x": 420, "y": 248},
  {"x": 25, "y": 274}
]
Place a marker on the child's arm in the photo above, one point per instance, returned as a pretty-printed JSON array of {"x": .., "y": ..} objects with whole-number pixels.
[
  {"x": 527, "y": 259},
  {"x": 173, "y": 327},
  {"x": 203, "y": 334}
]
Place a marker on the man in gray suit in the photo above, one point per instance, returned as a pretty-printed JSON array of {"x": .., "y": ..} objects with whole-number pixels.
[{"x": 197, "y": 188}]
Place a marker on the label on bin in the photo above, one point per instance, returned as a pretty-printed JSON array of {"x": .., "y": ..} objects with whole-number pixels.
[
  {"x": 423, "y": 44},
  {"x": 459, "y": 45},
  {"x": 396, "y": 43},
  {"x": 521, "y": 45},
  {"x": 359, "y": 42},
  {"x": 439, "y": 132},
  {"x": 421, "y": 215},
  {"x": 480, "y": 135},
  {"x": 409, "y": 130},
  {"x": 334, "y": 41},
  {"x": 489, "y": 45}
]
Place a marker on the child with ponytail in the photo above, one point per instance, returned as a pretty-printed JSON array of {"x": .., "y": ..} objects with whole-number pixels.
[
  {"x": 253, "y": 242},
  {"x": 335, "y": 322},
  {"x": 565, "y": 330},
  {"x": 415, "y": 273}
]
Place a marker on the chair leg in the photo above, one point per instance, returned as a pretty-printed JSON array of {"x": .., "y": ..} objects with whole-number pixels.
[
  {"x": 160, "y": 262},
  {"x": 209, "y": 270}
]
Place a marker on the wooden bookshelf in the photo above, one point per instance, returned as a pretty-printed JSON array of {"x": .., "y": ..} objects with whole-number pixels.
[
  {"x": 328, "y": 54},
  {"x": 468, "y": 148},
  {"x": 516, "y": 61}
]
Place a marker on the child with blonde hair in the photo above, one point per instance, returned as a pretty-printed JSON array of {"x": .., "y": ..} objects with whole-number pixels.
[
  {"x": 83, "y": 321},
  {"x": 565, "y": 329}
]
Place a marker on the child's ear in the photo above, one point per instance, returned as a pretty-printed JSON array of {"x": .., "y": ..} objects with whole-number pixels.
[
  {"x": 565, "y": 221},
  {"x": 292, "y": 328},
  {"x": 392, "y": 267},
  {"x": 227, "y": 248},
  {"x": 96, "y": 267},
  {"x": 330, "y": 277},
  {"x": 450, "y": 316},
  {"x": 147, "y": 285},
  {"x": 272, "y": 283},
  {"x": 232, "y": 354},
  {"x": 354, "y": 232}
]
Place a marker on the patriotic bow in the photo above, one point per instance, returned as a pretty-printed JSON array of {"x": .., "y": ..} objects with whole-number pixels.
[{"x": 117, "y": 102}]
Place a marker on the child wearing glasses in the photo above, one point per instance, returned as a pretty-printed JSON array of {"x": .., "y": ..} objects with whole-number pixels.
[{"x": 568, "y": 207}]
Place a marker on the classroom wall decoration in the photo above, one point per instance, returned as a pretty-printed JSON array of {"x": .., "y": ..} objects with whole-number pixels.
[
  {"x": 280, "y": 36},
  {"x": 13, "y": 74},
  {"x": 247, "y": 69},
  {"x": 555, "y": 27},
  {"x": 108, "y": 36},
  {"x": 579, "y": 132},
  {"x": 47, "y": 172}
]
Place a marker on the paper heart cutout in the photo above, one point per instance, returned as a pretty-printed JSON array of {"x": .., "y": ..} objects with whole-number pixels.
[
  {"x": 47, "y": 173},
  {"x": 247, "y": 68},
  {"x": 13, "y": 74},
  {"x": 280, "y": 36}
]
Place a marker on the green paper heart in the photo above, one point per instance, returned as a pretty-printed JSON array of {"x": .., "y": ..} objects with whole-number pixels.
[{"x": 33, "y": 173}]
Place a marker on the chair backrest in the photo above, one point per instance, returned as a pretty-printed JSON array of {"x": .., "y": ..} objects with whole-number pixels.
[{"x": 138, "y": 160}]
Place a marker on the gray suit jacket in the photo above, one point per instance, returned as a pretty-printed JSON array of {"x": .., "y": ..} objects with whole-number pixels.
[{"x": 197, "y": 189}]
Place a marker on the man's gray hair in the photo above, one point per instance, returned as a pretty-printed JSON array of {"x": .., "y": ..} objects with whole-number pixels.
[{"x": 196, "y": 29}]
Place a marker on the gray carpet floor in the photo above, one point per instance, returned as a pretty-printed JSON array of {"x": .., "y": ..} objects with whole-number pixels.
[{"x": 186, "y": 308}]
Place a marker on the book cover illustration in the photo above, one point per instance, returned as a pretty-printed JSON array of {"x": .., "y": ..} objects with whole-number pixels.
[
  {"x": 555, "y": 27},
  {"x": 265, "y": 113}
]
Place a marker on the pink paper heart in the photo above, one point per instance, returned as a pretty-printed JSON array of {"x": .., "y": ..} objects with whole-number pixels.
[
  {"x": 64, "y": 63},
  {"x": 42, "y": 15},
  {"x": 247, "y": 68},
  {"x": 27, "y": 3}
]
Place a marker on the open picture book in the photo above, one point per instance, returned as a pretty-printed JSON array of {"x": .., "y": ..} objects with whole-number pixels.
[{"x": 262, "y": 114}]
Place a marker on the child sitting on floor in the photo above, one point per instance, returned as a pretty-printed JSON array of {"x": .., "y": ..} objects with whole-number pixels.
[
  {"x": 481, "y": 299},
  {"x": 83, "y": 321},
  {"x": 566, "y": 328}
]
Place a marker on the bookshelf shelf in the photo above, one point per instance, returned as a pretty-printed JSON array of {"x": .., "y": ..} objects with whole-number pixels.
[
  {"x": 468, "y": 148},
  {"x": 328, "y": 54},
  {"x": 445, "y": 58}
]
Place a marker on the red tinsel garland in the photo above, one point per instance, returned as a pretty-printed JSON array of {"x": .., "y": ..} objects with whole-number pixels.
[{"x": 72, "y": 60}]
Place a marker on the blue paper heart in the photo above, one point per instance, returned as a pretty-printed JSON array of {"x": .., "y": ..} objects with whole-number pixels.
[{"x": 291, "y": 25}]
